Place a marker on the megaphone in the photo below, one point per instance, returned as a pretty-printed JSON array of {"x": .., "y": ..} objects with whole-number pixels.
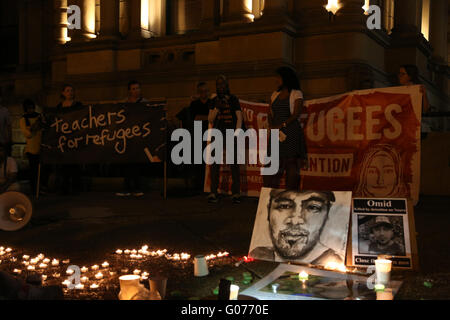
[{"x": 15, "y": 211}]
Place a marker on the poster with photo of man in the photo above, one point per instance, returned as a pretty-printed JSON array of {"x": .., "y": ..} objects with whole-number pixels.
[
  {"x": 380, "y": 227},
  {"x": 308, "y": 227}
]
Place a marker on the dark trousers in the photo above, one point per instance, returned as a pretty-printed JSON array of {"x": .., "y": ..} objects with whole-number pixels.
[
  {"x": 132, "y": 178},
  {"x": 235, "y": 175},
  {"x": 292, "y": 167},
  {"x": 34, "y": 161}
]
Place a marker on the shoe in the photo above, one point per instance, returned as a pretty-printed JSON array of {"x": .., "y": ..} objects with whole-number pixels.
[
  {"x": 123, "y": 194},
  {"x": 212, "y": 198},
  {"x": 138, "y": 194},
  {"x": 236, "y": 199}
]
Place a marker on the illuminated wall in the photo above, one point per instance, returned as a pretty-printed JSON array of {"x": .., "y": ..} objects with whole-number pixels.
[{"x": 426, "y": 19}]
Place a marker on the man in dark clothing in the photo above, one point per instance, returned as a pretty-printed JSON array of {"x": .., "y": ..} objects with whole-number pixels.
[{"x": 225, "y": 113}]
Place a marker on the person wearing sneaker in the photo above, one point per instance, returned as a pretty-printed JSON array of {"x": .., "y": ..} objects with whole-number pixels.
[
  {"x": 225, "y": 113},
  {"x": 132, "y": 185}
]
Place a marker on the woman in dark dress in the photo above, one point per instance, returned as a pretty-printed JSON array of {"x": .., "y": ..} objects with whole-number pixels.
[{"x": 285, "y": 109}]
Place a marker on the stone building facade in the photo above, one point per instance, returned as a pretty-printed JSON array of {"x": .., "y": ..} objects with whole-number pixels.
[{"x": 171, "y": 45}]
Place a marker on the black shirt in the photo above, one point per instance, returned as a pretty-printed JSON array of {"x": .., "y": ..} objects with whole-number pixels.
[
  {"x": 198, "y": 108},
  {"x": 227, "y": 105}
]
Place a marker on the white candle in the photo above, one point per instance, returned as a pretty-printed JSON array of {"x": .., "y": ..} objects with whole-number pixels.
[
  {"x": 67, "y": 261},
  {"x": 66, "y": 283},
  {"x": 127, "y": 251},
  {"x": 84, "y": 279},
  {"x": 56, "y": 275},
  {"x": 99, "y": 276},
  {"x": 383, "y": 271},
  {"x": 31, "y": 268},
  {"x": 18, "y": 271},
  {"x": 84, "y": 270},
  {"x": 55, "y": 262},
  {"x": 25, "y": 257},
  {"x": 46, "y": 260},
  {"x": 303, "y": 276},
  {"x": 94, "y": 286},
  {"x": 8, "y": 250},
  {"x": 44, "y": 277},
  {"x": 43, "y": 266},
  {"x": 79, "y": 286},
  {"x": 95, "y": 267},
  {"x": 133, "y": 251},
  {"x": 234, "y": 292},
  {"x": 137, "y": 272},
  {"x": 105, "y": 264},
  {"x": 118, "y": 251}
]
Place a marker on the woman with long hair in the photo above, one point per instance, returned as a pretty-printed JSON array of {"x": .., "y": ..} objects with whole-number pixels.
[{"x": 285, "y": 109}]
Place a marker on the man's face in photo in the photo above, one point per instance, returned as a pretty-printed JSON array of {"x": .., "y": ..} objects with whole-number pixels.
[
  {"x": 383, "y": 234},
  {"x": 296, "y": 221}
]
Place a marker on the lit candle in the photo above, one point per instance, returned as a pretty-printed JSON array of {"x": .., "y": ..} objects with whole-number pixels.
[
  {"x": 383, "y": 271},
  {"x": 43, "y": 265},
  {"x": 46, "y": 260},
  {"x": 234, "y": 292},
  {"x": 133, "y": 251},
  {"x": 40, "y": 256},
  {"x": 66, "y": 283},
  {"x": 25, "y": 257},
  {"x": 44, "y": 277},
  {"x": 95, "y": 267},
  {"x": 2, "y": 253},
  {"x": 84, "y": 270},
  {"x": 94, "y": 286},
  {"x": 31, "y": 268},
  {"x": 67, "y": 261},
  {"x": 56, "y": 275},
  {"x": 18, "y": 271},
  {"x": 55, "y": 262},
  {"x": 79, "y": 286},
  {"x": 118, "y": 251},
  {"x": 34, "y": 261},
  {"x": 303, "y": 276},
  {"x": 8, "y": 250},
  {"x": 99, "y": 276},
  {"x": 137, "y": 272},
  {"x": 70, "y": 272},
  {"x": 84, "y": 279},
  {"x": 127, "y": 251},
  {"x": 105, "y": 264},
  {"x": 26, "y": 263},
  {"x": 112, "y": 273}
]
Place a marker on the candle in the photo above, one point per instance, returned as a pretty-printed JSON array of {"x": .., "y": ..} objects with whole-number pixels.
[
  {"x": 383, "y": 271},
  {"x": 234, "y": 292},
  {"x": 79, "y": 286},
  {"x": 66, "y": 283},
  {"x": 133, "y": 251},
  {"x": 25, "y": 257},
  {"x": 118, "y": 251},
  {"x": 2, "y": 253},
  {"x": 137, "y": 272},
  {"x": 43, "y": 266},
  {"x": 26, "y": 263},
  {"x": 18, "y": 271},
  {"x": 56, "y": 275},
  {"x": 95, "y": 267},
  {"x": 55, "y": 262},
  {"x": 40, "y": 256},
  {"x": 44, "y": 277},
  {"x": 46, "y": 260},
  {"x": 112, "y": 273},
  {"x": 84, "y": 279},
  {"x": 127, "y": 251},
  {"x": 8, "y": 250},
  {"x": 303, "y": 276},
  {"x": 34, "y": 261},
  {"x": 70, "y": 271},
  {"x": 105, "y": 264},
  {"x": 67, "y": 261},
  {"x": 94, "y": 286},
  {"x": 84, "y": 270},
  {"x": 99, "y": 276},
  {"x": 31, "y": 268}
]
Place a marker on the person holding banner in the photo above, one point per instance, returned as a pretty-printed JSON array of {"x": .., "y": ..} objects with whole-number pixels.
[
  {"x": 31, "y": 127},
  {"x": 284, "y": 113},
  {"x": 69, "y": 174},
  {"x": 132, "y": 184},
  {"x": 225, "y": 113},
  {"x": 408, "y": 75}
]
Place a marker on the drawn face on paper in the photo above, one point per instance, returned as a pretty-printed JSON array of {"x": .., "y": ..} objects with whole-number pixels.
[
  {"x": 383, "y": 234},
  {"x": 381, "y": 176},
  {"x": 296, "y": 221}
]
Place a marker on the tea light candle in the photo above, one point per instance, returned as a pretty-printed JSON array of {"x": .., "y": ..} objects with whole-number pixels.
[
  {"x": 95, "y": 267},
  {"x": 118, "y": 251},
  {"x": 56, "y": 275},
  {"x": 127, "y": 251},
  {"x": 137, "y": 272},
  {"x": 2, "y": 253},
  {"x": 303, "y": 276},
  {"x": 70, "y": 272},
  {"x": 43, "y": 266},
  {"x": 94, "y": 286},
  {"x": 26, "y": 263},
  {"x": 34, "y": 261},
  {"x": 67, "y": 261},
  {"x": 79, "y": 286},
  {"x": 25, "y": 257},
  {"x": 84, "y": 279},
  {"x": 46, "y": 260},
  {"x": 66, "y": 283},
  {"x": 84, "y": 269},
  {"x": 31, "y": 268},
  {"x": 234, "y": 292},
  {"x": 55, "y": 262},
  {"x": 18, "y": 271},
  {"x": 40, "y": 256},
  {"x": 112, "y": 273},
  {"x": 44, "y": 277},
  {"x": 99, "y": 276},
  {"x": 134, "y": 251},
  {"x": 105, "y": 264},
  {"x": 383, "y": 271},
  {"x": 8, "y": 250}
]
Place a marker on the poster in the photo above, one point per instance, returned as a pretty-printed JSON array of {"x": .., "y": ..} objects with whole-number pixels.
[
  {"x": 381, "y": 227},
  {"x": 284, "y": 284},
  {"x": 365, "y": 141},
  {"x": 308, "y": 227},
  {"x": 108, "y": 133}
]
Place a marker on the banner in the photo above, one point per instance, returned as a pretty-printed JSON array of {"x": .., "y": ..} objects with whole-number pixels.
[
  {"x": 108, "y": 133},
  {"x": 364, "y": 141}
]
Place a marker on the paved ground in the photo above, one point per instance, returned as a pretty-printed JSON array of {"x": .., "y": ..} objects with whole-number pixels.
[{"x": 88, "y": 229}]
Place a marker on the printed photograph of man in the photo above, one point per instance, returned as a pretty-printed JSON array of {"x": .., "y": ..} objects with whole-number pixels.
[
  {"x": 296, "y": 225},
  {"x": 385, "y": 235}
]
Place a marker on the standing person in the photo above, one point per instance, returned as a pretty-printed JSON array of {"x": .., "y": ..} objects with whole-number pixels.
[
  {"x": 285, "y": 109},
  {"x": 8, "y": 172},
  {"x": 31, "y": 127},
  {"x": 132, "y": 184},
  {"x": 5, "y": 128},
  {"x": 70, "y": 174},
  {"x": 225, "y": 113},
  {"x": 408, "y": 75}
]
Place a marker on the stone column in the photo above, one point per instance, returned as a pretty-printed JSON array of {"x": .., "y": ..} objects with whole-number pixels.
[
  {"x": 439, "y": 30},
  {"x": 109, "y": 19},
  {"x": 275, "y": 8},
  {"x": 235, "y": 11},
  {"x": 60, "y": 28},
  {"x": 136, "y": 30},
  {"x": 87, "y": 30},
  {"x": 407, "y": 17}
]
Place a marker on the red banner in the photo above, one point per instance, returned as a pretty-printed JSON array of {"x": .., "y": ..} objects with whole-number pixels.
[{"x": 366, "y": 141}]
